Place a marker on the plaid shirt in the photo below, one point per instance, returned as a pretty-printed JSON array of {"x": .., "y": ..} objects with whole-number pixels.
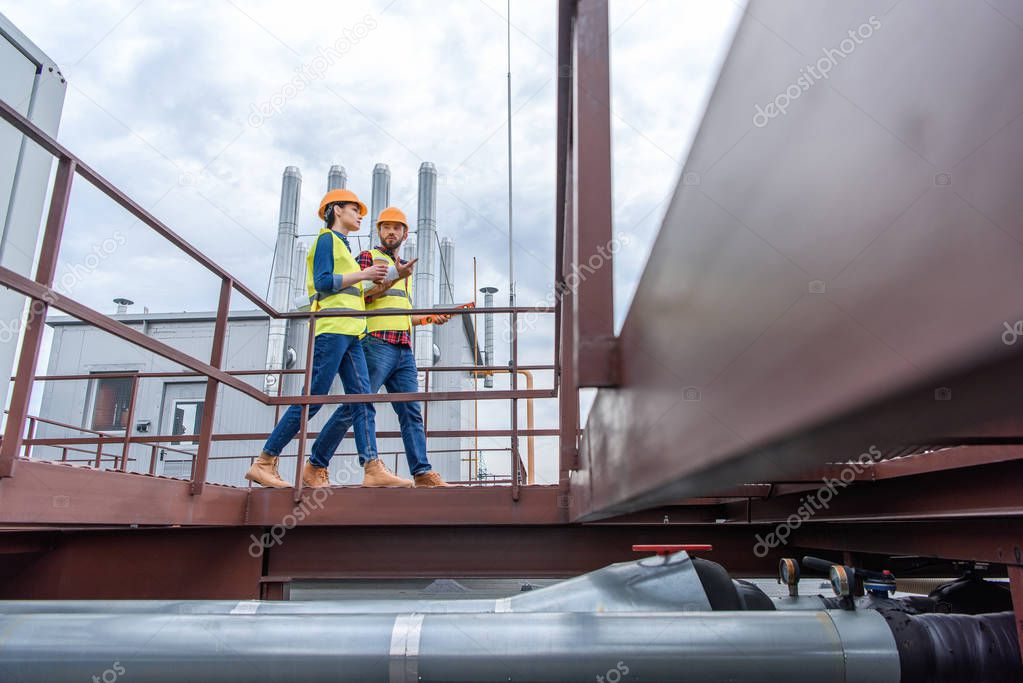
[{"x": 397, "y": 337}]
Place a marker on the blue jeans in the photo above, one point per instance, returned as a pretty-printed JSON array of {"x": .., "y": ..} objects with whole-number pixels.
[
  {"x": 393, "y": 367},
  {"x": 333, "y": 354}
]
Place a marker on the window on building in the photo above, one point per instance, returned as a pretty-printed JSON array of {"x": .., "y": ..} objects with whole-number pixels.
[
  {"x": 187, "y": 418},
  {"x": 110, "y": 403}
]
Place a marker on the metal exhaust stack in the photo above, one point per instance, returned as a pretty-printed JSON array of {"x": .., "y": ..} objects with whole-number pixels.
[
  {"x": 447, "y": 275},
  {"x": 426, "y": 239},
  {"x": 337, "y": 178},
  {"x": 297, "y": 329},
  {"x": 408, "y": 252},
  {"x": 281, "y": 278},
  {"x": 381, "y": 197},
  {"x": 488, "y": 333}
]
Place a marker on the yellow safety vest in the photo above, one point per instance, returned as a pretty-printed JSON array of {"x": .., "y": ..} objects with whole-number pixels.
[
  {"x": 348, "y": 299},
  {"x": 397, "y": 297}
]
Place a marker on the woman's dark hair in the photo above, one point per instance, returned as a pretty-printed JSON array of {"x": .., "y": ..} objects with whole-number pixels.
[{"x": 328, "y": 213}]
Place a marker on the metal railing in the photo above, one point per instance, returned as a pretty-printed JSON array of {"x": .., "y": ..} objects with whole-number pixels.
[
  {"x": 102, "y": 438},
  {"x": 42, "y": 297}
]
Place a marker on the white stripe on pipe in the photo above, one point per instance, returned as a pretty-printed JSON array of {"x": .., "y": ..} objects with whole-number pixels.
[
  {"x": 404, "y": 664},
  {"x": 247, "y": 607}
]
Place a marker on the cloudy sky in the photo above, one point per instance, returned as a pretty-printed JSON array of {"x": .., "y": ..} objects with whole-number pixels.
[{"x": 169, "y": 102}]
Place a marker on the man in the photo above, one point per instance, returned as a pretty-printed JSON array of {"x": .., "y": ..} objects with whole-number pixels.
[
  {"x": 388, "y": 345},
  {"x": 335, "y": 281}
]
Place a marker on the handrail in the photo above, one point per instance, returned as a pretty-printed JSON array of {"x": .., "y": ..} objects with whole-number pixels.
[
  {"x": 40, "y": 291},
  {"x": 292, "y": 371}
]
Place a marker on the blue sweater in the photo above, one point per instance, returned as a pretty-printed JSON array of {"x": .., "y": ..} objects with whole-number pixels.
[{"x": 324, "y": 279}]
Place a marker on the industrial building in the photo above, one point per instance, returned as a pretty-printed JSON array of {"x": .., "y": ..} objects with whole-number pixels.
[{"x": 803, "y": 459}]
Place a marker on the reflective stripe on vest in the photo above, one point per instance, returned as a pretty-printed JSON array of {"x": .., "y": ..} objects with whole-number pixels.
[
  {"x": 354, "y": 291},
  {"x": 396, "y": 299},
  {"x": 348, "y": 299}
]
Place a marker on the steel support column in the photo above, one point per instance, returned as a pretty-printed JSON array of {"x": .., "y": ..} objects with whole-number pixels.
[
  {"x": 209, "y": 409},
  {"x": 36, "y": 320},
  {"x": 590, "y": 267}
]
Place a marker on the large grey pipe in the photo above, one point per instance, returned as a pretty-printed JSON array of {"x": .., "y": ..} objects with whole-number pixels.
[
  {"x": 652, "y": 584},
  {"x": 381, "y": 196},
  {"x": 698, "y": 647},
  {"x": 447, "y": 274},
  {"x": 488, "y": 333},
  {"x": 337, "y": 178},
  {"x": 298, "y": 329},
  {"x": 425, "y": 272},
  {"x": 281, "y": 277}
]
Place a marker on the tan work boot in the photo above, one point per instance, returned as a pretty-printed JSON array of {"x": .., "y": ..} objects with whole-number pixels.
[
  {"x": 375, "y": 473},
  {"x": 429, "y": 480},
  {"x": 264, "y": 472},
  {"x": 315, "y": 477}
]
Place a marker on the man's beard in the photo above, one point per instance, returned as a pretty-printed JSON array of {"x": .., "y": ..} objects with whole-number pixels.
[{"x": 392, "y": 244}]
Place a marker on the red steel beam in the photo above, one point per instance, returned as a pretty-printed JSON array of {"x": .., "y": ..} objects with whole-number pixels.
[
  {"x": 150, "y": 564},
  {"x": 950, "y": 458},
  {"x": 443, "y": 310},
  {"x": 357, "y": 505},
  {"x": 596, "y": 361},
  {"x": 36, "y": 321},
  {"x": 492, "y": 551},
  {"x": 994, "y": 490},
  {"x": 202, "y": 455},
  {"x": 292, "y": 371},
  {"x": 107, "y": 324},
  {"x": 567, "y": 381},
  {"x": 741, "y": 360},
  {"x": 128, "y": 426},
  {"x": 993, "y": 540},
  {"x": 62, "y": 494},
  {"x": 59, "y": 441},
  {"x": 413, "y": 396}
]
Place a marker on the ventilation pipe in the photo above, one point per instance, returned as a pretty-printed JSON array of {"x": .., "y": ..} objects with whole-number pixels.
[
  {"x": 122, "y": 305},
  {"x": 299, "y": 293},
  {"x": 409, "y": 252},
  {"x": 667, "y": 614},
  {"x": 281, "y": 277},
  {"x": 297, "y": 329},
  {"x": 425, "y": 283},
  {"x": 337, "y": 178},
  {"x": 701, "y": 647},
  {"x": 381, "y": 197},
  {"x": 488, "y": 334},
  {"x": 447, "y": 275}
]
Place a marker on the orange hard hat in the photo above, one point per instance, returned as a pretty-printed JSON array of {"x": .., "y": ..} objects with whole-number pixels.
[
  {"x": 394, "y": 215},
  {"x": 341, "y": 196}
]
